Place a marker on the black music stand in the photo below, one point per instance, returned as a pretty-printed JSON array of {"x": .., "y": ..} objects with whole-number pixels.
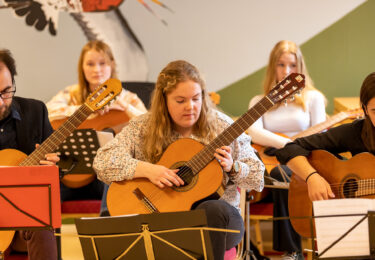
[
  {"x": 128, "y": 243},
  {"x": 77, "y": 152}
]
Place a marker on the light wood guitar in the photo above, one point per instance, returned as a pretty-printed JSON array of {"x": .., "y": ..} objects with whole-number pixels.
[
  {"x": 11, "y": 157},
  {"x": 353, "y": 178},
  {"x": 202, "y": 174},
  {"x": 270, "y": 161},
  {"x": 114, "y": 119}
]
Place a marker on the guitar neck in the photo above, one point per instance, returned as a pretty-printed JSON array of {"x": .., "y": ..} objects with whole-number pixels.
[
  {"x": 322, "y": 126},
  {"x": 51, "y": 144},
  {"x": 201, "y": 159}
]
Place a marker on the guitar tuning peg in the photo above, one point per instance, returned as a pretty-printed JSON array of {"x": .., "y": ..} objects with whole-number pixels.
[
  {"x": 298, "y": 92},
  {"x": 291, "y": 99},
  {"x": 285, "y": 102}
]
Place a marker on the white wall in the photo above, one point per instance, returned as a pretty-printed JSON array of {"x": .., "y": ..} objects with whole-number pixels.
[{"x": 226, "y": 39}]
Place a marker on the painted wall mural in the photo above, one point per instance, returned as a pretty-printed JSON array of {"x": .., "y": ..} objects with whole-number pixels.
[{"x": 99, "y": 20}]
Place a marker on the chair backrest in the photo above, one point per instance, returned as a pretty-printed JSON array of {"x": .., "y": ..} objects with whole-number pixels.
[{"x": 142, "y": 89}]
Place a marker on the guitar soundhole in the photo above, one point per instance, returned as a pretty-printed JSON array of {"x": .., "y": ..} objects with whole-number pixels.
[
  {"x": 186, "y": 174},
  {"x": 350, "y": 188}
]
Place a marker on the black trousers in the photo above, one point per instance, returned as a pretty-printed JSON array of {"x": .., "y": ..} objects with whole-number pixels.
[
  {"x": 285, "y": 238},
  {"x": 220, "y": 214}
]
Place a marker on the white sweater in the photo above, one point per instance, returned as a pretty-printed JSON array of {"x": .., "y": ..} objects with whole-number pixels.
[{"x": 287, "y": 119}]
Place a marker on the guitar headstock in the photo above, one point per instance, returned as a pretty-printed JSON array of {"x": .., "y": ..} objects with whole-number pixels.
[
  {"x": 286, "y": 88},
  {"x": 104, "y": 94}
]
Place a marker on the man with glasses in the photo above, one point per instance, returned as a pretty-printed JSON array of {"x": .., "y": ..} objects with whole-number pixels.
[{"x": 24, "y": 124}]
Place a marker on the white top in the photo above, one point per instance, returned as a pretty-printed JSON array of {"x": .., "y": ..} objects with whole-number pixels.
[
  {"x": 287, "y": 119},
  {"x": 64, "y": 105}
]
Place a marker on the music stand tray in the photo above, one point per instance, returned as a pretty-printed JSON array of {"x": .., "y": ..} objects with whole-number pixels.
[
  {"x": 97, "y": 243},
  {"x": 29, "y": 197}
]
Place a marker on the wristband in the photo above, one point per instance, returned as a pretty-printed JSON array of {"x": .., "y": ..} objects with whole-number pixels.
[{"x": 308, "y": 176}]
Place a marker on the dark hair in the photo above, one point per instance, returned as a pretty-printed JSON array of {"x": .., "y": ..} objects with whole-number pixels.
[
  {"x": 366, "y": 94},
  {"x": 7, "y": 58}
]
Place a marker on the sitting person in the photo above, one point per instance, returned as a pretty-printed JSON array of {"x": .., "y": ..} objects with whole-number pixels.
[
  {"x": 24, "y": 124},
  {"x": 356, "y": 137},
  {"x": 295, "y": 116},
  {"x": 96, "y": 65},
  {"x": 180, "y": 108}
]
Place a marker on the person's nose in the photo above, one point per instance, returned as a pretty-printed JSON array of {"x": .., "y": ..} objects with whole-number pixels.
[
  {"x": 287, "y": 70},
  {"x": 189, "y": 105},
  {"x": 96, "y": 68}
]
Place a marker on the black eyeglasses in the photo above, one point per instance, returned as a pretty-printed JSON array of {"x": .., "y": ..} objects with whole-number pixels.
[{"x": 8, "y": 94}]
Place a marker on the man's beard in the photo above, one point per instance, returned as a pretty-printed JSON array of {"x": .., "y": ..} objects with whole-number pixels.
[{"x": 6, "y": 112}]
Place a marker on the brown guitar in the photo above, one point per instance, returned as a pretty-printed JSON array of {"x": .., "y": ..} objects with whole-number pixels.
[
  {"x": 353, "y": 178},
  {"x": 201, "y": 173},
  {"x": 11, "y": 157}
]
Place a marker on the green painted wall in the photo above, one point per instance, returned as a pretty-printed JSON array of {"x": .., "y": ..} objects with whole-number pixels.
[{"x": 338, "y": 59}]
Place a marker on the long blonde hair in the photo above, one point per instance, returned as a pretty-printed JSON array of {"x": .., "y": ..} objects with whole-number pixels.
[
  {"x": 83, "y": 90},
  {"x": 270, "y": 80},
  {"x": 160, "y": 124}
]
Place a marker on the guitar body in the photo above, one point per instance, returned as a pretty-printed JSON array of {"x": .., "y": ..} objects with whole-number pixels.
[
  {"x": 9, "y": 157},
  {"x": 121, "y": 199},
  {"x": 346, "y": 177},
  {"x": 114, "y": 119}
]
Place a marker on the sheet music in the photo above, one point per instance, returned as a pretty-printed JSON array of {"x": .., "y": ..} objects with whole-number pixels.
[{"x": 329, "y": 229}]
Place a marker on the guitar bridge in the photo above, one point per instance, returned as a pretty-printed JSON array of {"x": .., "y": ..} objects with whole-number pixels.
[{"x": 147, "y": 203}]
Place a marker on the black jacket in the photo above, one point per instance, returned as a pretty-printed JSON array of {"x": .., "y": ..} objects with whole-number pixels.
[{"x": 34, "y": 126}]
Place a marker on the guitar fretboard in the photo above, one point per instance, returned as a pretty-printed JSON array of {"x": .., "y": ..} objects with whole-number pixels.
[
  {"x": 366, "y": 187},
  {"x": 201, "y": 159},
  {"x": 322, "y": 126},
  {"x": 51, "y": 144}
]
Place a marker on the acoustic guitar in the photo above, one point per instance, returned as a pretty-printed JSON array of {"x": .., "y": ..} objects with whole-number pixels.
[
  {"x": 353, "y": 178},
  {"x": 202, "y": 174},
  {"x": 11, "y": 157},
  {"x": 270, "y": 161}
]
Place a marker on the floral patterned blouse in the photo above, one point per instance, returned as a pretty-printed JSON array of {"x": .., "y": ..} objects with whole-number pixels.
[
  {"x": 117, "y": 160},
  {"x": 64, "y": 105}
]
